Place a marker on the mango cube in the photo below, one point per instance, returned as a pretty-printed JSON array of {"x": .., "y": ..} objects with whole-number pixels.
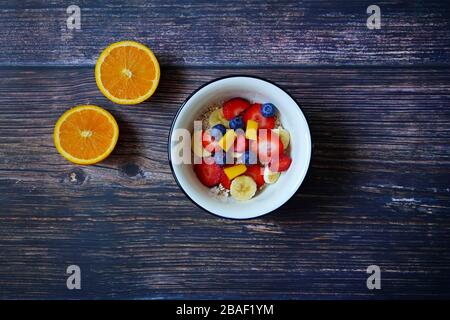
[
  {"x": 227, "y": 140},
  {"x": 234, "y": 171},
  {"x": 252, "y": 129}
]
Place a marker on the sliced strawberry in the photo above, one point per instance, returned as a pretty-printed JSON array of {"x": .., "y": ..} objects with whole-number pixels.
[
  {"x": 208, "y": 174},
  {"x": 255, "y": 171},
  {"x": 282, "y": 164},
  {"x": 234, "y": 107},
  {"x": 267, "y": 145},
  {"x": 225, "y": 182},
  {"x": 209, "y": 142},
  {"x": 254, "y": 113}
]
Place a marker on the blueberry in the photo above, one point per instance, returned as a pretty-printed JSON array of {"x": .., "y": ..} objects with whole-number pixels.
[
  {"x": 217, "y": 133},
  {"x": 220, "y": 158},
  {"x": 268, "y": 110},
  {"x": 249, "y": 157},
  {"x": 236, "y": 123},
  {"x": 220, "y": 127}
]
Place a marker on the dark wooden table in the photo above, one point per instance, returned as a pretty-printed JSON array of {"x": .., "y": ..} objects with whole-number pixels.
[{"x": 378, "y": 190}]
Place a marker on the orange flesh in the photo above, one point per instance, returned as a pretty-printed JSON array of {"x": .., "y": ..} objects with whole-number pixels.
[
  {"x": 86, "y": 134},
  {"x": 127, "y": 72}
]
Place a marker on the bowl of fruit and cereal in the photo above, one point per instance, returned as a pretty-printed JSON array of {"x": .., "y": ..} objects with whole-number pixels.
[{"x": 239, "y": 147}]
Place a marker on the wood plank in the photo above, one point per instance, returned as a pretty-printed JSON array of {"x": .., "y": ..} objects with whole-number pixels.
[
  {"x": 217, "y": 33},
  {"x": 377, "y": 193}
]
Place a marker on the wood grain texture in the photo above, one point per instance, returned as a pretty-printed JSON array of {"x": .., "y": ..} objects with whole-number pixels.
[
  {"x": 216, "y": 33},
  {"x": 377, "y": 193}
]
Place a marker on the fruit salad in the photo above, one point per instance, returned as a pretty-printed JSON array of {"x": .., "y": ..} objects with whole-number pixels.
[{"x": 242, "y": 148}]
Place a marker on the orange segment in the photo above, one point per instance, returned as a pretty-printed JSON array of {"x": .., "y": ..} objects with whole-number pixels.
[
  {"x": 86, "y": 134},
  {"x": 127, "y": 72}
]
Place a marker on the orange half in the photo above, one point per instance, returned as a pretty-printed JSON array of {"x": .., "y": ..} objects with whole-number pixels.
[
  {"x": 127, "y": 72},
  {"x": 86, "y": 134}
]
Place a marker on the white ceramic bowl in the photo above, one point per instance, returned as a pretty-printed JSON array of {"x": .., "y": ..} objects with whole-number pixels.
[{"x": 255, "y": 90}]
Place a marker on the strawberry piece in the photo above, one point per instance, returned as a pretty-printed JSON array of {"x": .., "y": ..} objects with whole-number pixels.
[
  {"x": 255, "y": 171},
  {"x": 208, "y": 174},
  {"x": 234, "y": 107},
  {"x": 254, "y": 113},
  {"x": 209, "y": 142},
  {"x": 225, "y": 182},
  {"x": 282, "y": 164},
  {"x": 267, "y": 145},
  {"x": 241, "y": 143}
]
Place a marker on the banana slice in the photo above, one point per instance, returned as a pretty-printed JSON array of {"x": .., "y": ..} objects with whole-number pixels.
[
  {"x": 243, "y": 188},
  {"x": 284, "y": 136},
  {"x": 269, "y": 176},
  {"x": 198, "y": 148},
  {"x": 216, "y": 117}
]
